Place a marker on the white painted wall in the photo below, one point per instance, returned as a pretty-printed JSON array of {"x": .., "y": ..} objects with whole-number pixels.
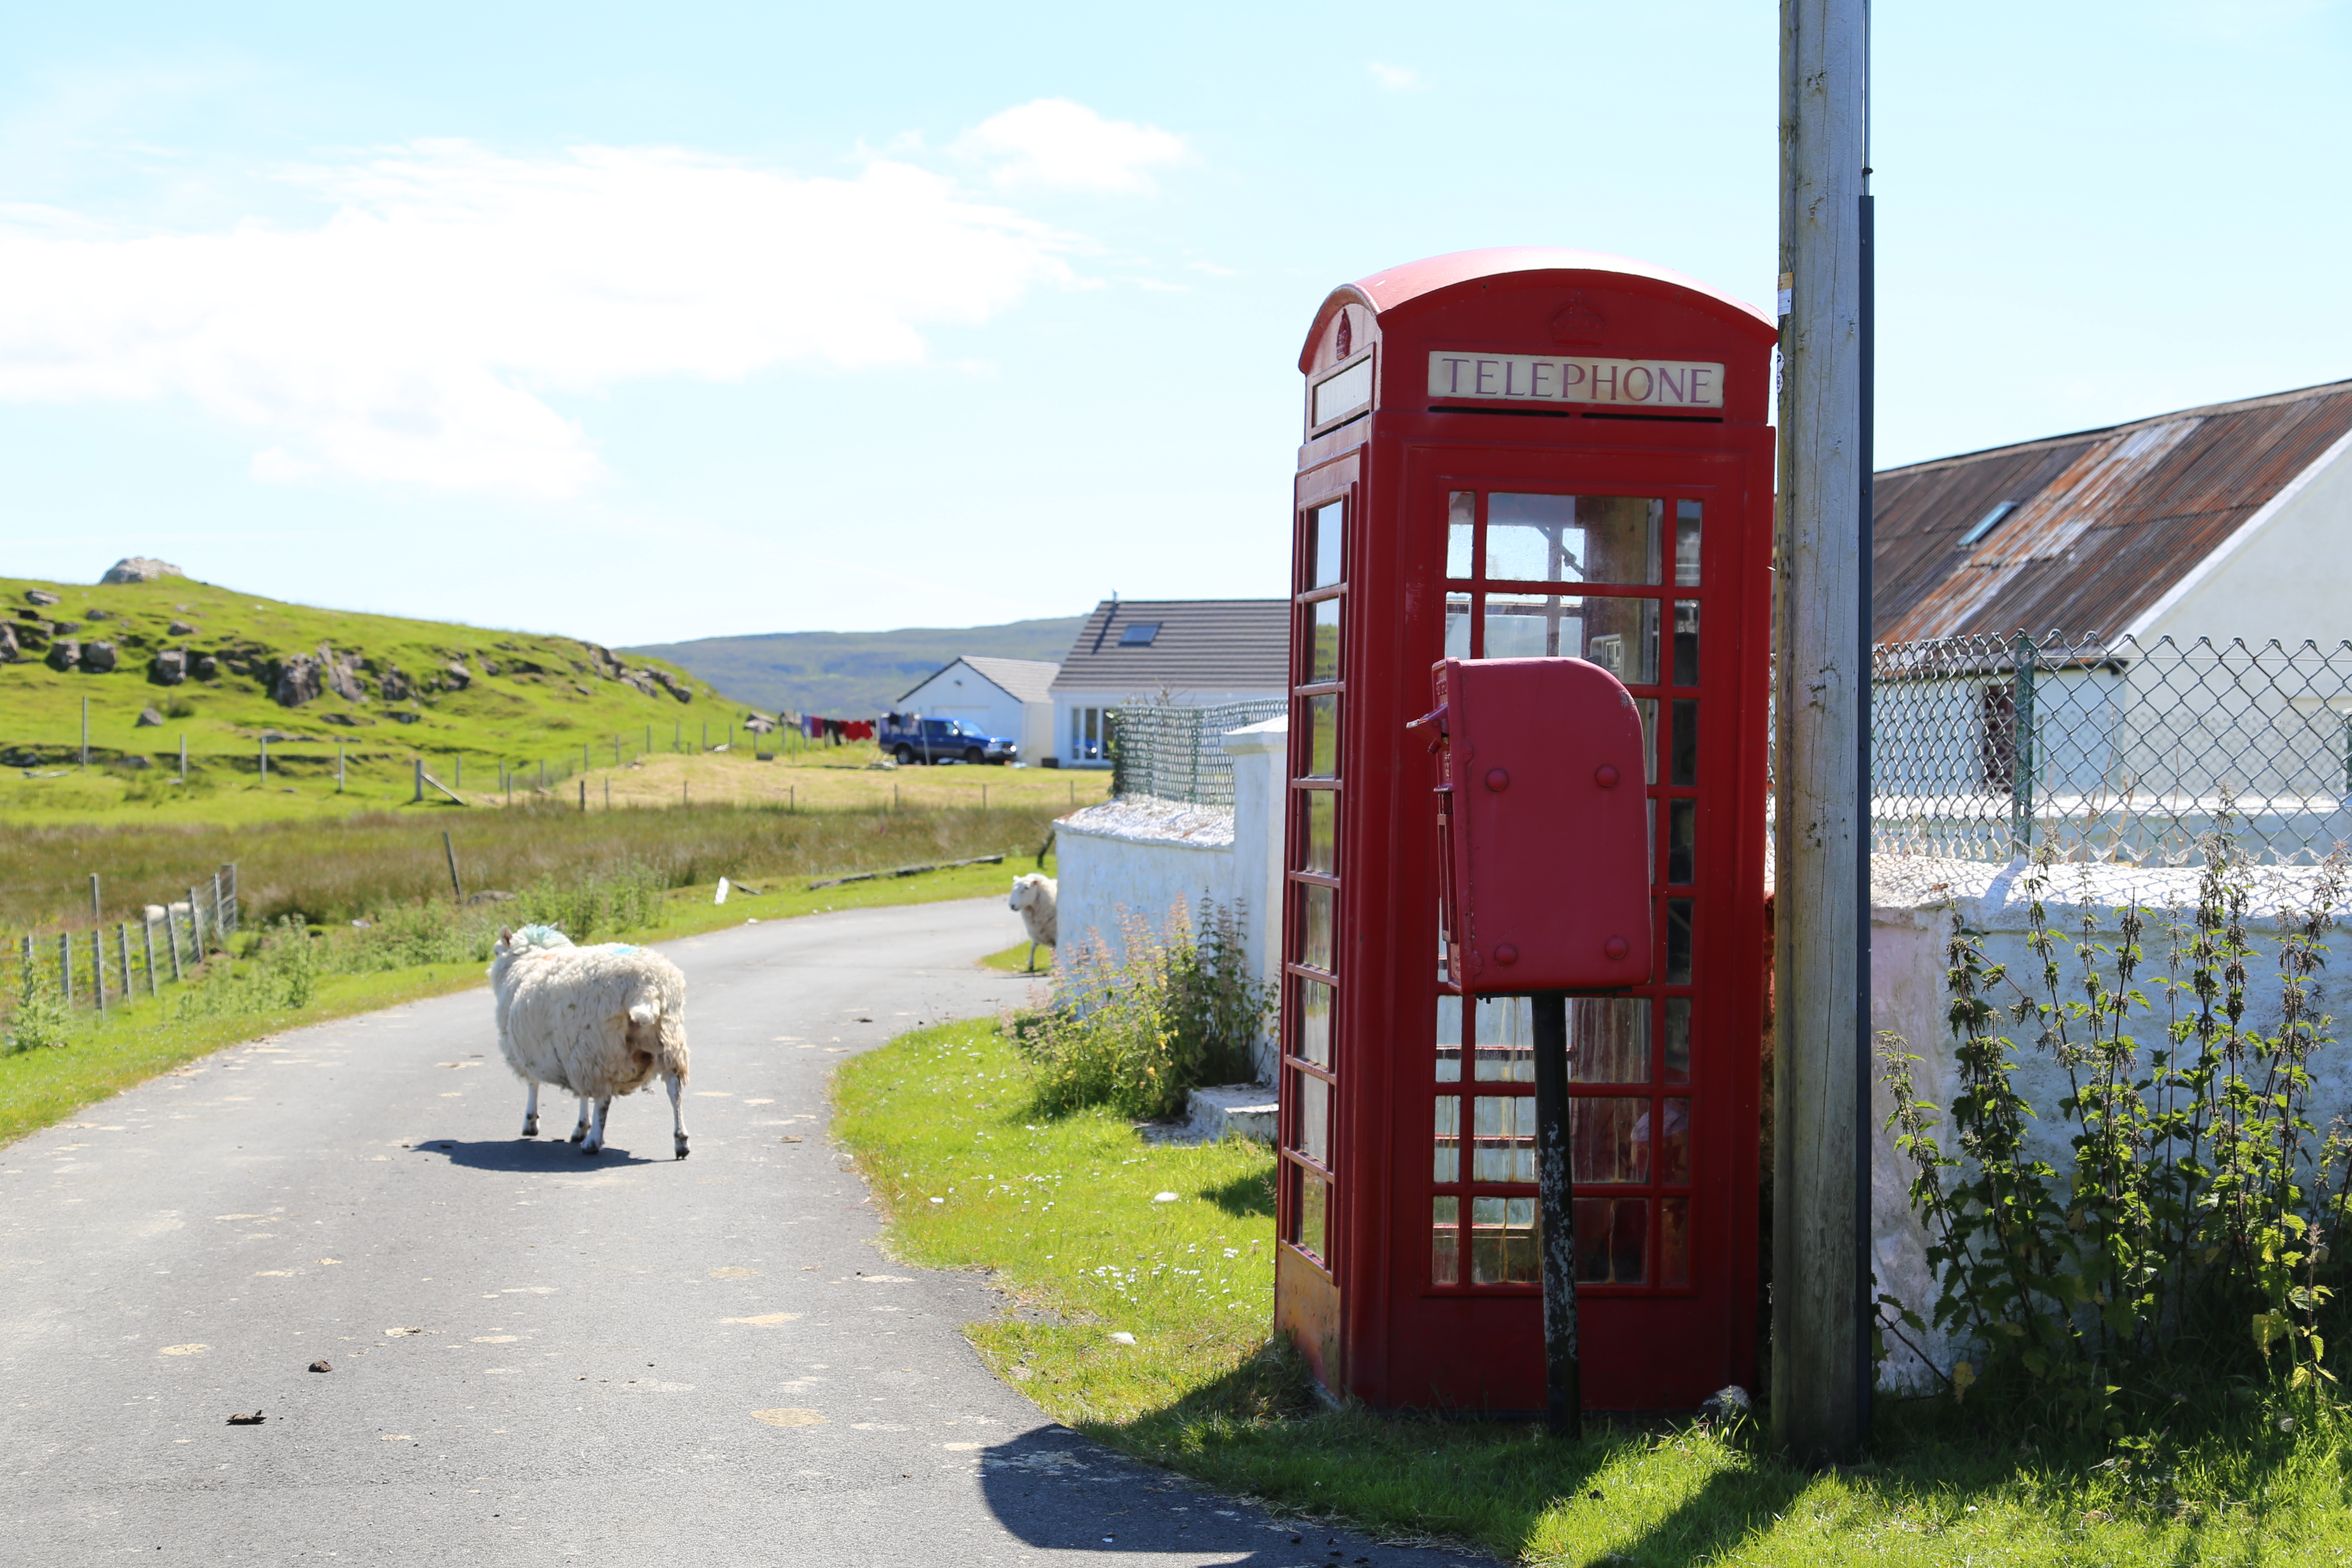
[
  {"x": 2283, "y": 573},
  {"x": 1915, "y": 901},
  {"x": 1144, "y": 856},
  {"x": 959, "y": 691}
]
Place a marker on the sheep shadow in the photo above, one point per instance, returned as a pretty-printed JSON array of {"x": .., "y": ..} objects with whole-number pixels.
[{"x": 534, "y": 1156}]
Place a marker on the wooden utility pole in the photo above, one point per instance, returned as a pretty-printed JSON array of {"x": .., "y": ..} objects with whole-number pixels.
[{"x": 1821, "y": 1213}]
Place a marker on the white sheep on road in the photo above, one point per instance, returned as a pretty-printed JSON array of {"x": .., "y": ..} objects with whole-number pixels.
[
  {"x": 1036, "y": 897},
  {"x": 593, "y": 1021}
]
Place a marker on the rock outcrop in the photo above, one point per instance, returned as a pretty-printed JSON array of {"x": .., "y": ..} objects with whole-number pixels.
[
  {"x": 64, "y": 654},
  {"x": 148, "y": 719},
  {"x": 456, "y": 675},
  {"x": 204, "y": 666},
  {"x": 98, "y": 659},
  {"x": 297, "y": 681},
  {"x": 140, "y": 569},
  {"x": 182, "y": 629},
  {"x": 9, "y": 651},
  {"x": 40, "y": 597}
]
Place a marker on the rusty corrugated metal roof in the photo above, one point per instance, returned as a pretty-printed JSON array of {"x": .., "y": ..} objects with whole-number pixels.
[{"x": 2105, "y": 521}]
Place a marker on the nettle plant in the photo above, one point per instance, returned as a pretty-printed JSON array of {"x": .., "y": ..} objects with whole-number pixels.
[{"x": 2192, "y": 1212}]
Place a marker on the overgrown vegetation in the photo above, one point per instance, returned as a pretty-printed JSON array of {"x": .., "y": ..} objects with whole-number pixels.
[
  {"x": 2187, "y": 1237},
  {"x": 39, "y": 1019},
  {"x": 1066, "y": 1213},
  {"x": 1139, "y": 1027}
]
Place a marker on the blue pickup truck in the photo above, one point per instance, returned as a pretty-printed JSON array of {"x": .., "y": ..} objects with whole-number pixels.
[{"x": 912, "y": 740}]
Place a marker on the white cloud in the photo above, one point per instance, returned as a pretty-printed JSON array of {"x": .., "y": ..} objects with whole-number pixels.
[
  {"x": 1060, "y": 146},
  {"x": 1396, "y": 79},
  {"x": 410, "y": 336}
]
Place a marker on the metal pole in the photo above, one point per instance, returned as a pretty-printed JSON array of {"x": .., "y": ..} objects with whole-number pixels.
[
  {"x": 1555, "y": 1182},
  {"x": 450, "y": 851},
  {"x": 1821, "y": 1276},
  {"x": 2020, "y": 745},
  {"x": 95, "y": 916}
]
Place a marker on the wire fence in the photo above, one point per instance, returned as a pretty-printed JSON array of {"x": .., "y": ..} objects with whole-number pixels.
[
  {"x": 1987, "y": 748},
  {"x": 93, "y": 966},
  {"x": 1171, "y": 751}
]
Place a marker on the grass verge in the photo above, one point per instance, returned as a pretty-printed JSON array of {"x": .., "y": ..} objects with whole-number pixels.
[
  {"x": 1014, "y": 960},
  {"x": 143, "y": 1039},
  {"x": 1068, "y": 1214}
]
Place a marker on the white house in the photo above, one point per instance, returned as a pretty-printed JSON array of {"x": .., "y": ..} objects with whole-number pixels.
[
  {"x": 1192, "y": 652},
  {"x": 1010, "y": 697}
]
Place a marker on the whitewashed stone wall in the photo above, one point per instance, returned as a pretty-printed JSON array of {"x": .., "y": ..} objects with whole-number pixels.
[
  {"x": 1915, "y": 904},
  {"x": 1145, "y": 856}
]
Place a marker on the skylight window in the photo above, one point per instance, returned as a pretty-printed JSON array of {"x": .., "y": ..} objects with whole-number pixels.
[
  {"x": 1988, "y": 522},
  {"x": 1139, "y": 635}
]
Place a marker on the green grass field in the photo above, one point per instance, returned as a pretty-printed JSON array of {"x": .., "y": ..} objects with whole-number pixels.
[{"x": 1066, "y": 1213}]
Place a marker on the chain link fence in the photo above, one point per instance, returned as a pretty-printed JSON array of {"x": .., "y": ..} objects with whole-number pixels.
[
  {"x": 1172, "y": 752},
  {"x": 1987, "y": 748}
]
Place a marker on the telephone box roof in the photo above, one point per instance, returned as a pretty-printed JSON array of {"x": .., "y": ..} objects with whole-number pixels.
[{"x": 1395, "y": 286}]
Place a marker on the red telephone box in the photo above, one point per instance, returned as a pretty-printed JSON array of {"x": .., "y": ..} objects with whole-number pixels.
[{"x": 1524, "y": 453}]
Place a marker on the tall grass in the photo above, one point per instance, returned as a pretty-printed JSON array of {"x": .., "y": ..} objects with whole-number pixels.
[{"x": 364, "y": 866}]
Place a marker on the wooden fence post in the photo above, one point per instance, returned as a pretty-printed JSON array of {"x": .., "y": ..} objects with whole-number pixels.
[
  {"x": 418, "y": 798},
  {"x": 97, "y": 970},
  {"x": 65, "y": 965},
  {"x": 122, "y": 952},
  {"x": 147, "y": 930},
  {"x": 195, "y": 925},
  {"x": 171, "y": 935}
]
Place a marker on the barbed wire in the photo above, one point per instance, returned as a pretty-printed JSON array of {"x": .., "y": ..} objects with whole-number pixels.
[{"x": 1172, "y": 751}]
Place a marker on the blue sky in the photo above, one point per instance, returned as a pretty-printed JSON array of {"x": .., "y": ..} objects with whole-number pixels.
[{"x": 646, "y": 322}]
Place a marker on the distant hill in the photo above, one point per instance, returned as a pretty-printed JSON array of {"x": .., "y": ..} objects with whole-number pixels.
[
  {"x": 379, "y": 685},
  {"x": 853, "y": 674}
]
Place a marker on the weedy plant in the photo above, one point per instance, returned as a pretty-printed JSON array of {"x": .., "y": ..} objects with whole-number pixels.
[
  {"x": 39, "y": 1019},
  {"x": 2190, "y": 1225},
  {"x": 1138, "y": 1030}
]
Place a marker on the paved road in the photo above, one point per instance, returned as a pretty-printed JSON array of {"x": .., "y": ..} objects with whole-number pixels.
[{"x": 630, "y": 1359}]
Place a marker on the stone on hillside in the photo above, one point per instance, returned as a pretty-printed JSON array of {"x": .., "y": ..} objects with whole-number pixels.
[
  {"x": 97, "y": 615},
  {"x": 148, "y": 719},
  {"x": 40, "y": 597},
  {"x": 140, "y": 569},
  {"x": 342, "y": 674},
  {"x": 296, "y": 681},
  {"x": 182, "y": 629},
  {"x": 458, "y": 675},
  {"x": 64, "y": 654},
  {"x": 170, "y": 667},
  {"x": 403, "y": 716},
  {"x": 397, "y": 685},
  {"x": 134, "y": 761},
  {"x": 204, "y": 666},
  {"x": 344, "y": 718},
  {"x": 490, "y": 665},
  {"x": 8, "y": 648},
  {"x": 98, "y": 659}
]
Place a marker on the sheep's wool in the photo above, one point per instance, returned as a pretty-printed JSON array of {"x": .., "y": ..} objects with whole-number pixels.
[{"x": 595, "y": 1021}]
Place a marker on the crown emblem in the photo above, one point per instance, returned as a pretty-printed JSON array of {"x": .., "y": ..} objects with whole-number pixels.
[{"x": 1577, "y": 322}]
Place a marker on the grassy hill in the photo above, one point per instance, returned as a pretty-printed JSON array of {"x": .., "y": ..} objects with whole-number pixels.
[
  {"x": 408, "y": 688},
  {"x": 853, "y": 675}
]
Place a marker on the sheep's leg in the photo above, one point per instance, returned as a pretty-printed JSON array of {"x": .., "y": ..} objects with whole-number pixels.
[
  {"x": 530, "y": 1113},
  {"x": 595, "y": 1143},
  {"x": 1033, "y": 958},
  {"x": 677, "y": 1113},
  {"x": 580, "y": 1128}
]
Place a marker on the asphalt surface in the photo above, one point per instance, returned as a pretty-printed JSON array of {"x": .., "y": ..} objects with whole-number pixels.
[{"x": 538, "y": 1356}]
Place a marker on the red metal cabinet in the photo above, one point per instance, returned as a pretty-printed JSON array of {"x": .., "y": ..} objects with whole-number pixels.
[{"x": 1524, "y": 454}]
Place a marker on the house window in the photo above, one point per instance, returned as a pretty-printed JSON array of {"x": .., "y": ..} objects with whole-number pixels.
[
  {"x": 1087, "y": 732},
  {"x": 1140, "y": 635},
  {"x": 1988, "y": 522}
]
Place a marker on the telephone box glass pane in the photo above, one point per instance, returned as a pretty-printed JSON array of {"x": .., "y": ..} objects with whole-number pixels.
[
  {"x": 1314, "y": 1042},
  {"x": 1446, "y": 1168},
  {"x": 1612, "y": 1141},
  {"x": 1503, "y": 1241},
  {"x": 1325, "y": 530},
  {"x": 1673, "y": 1243},
  {"x": 1686, "y": 642},
  {"x": 1503, "y": 1138},
  {"x": 1686, "y": 540},
  {"x": 1322, "y": 831},
  {"x": 1314, "y": 1117},
  {"x": 1461, "y": 527},
  {"x": 1449, "y": 1039},
  {"x": 1609, "y": 1039},
  {"x": 1457, "y": 625},
  {"x": 1324, "y": 662},
  {"x": 1309, "y": 1232},
  {"x": 1612, "y": 1235},
  {"x": 1506, "y": 1039},
  {"x": 1647, "y": 707},
  {"x": 1682, "y": 842},
  {"x": 1678, "y": 1038},
  {"x": 1674, "y": 1149},
  {"x": 1678, "y": 941},
  {"x": 1315, "y": 938},
  {"x": 1446, "y": 1241},
  {"x": 1572, "y": 539},
  {"x": 1618, "y": 635},
  {"x": 1682, "y": 766},
  {"x": 1323, "y": 737}
]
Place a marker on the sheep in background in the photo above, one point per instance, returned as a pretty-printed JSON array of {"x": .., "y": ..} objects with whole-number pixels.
[
  {"x": 1034, "y": 898},
  {"x": 593, "y": 1021}
]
